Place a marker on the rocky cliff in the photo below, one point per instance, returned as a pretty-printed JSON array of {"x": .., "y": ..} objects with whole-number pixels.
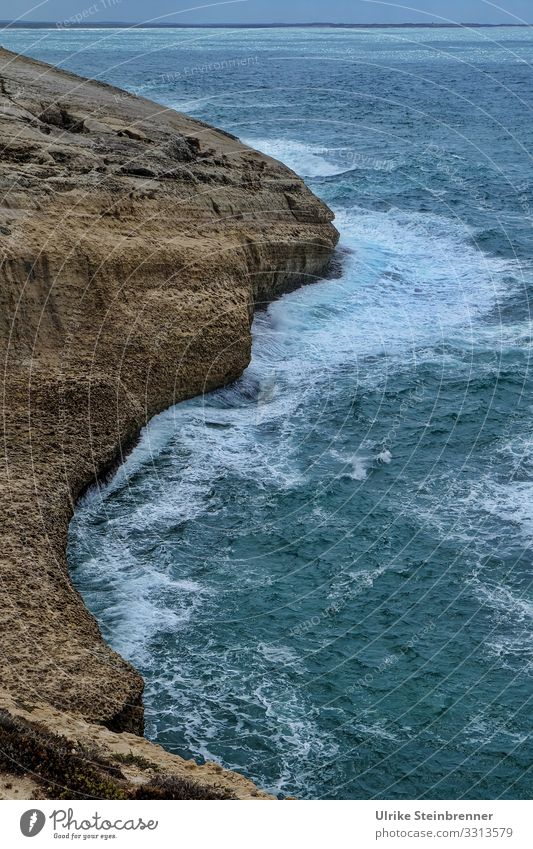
[{"x": 134, "y": 244}]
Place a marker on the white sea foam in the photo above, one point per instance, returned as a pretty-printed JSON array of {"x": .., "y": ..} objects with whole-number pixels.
[
  {"x": 482, "y": 729},
  {"x": 310, "y": 160},
  {"x": 279, "y": 654},
  {"x": 511, "y": 502},
  {"x": 258, "y": 705},
  {"x": 410, "y": 281},
  {"x": 517, "y": 609}
]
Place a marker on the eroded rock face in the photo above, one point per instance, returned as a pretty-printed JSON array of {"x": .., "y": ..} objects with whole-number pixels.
[{"x": 134, "y": 243}]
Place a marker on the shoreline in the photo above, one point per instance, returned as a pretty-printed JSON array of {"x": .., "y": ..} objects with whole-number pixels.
[
  {"x": 332, "y": 271},
  {"x": 175, "y": 230}
]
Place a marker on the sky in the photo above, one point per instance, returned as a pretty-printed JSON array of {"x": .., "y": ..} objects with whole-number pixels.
[{"x": 269, "y": 11}]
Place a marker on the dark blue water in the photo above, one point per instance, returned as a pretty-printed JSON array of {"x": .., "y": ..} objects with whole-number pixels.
[{"x": 324, "y": 571}]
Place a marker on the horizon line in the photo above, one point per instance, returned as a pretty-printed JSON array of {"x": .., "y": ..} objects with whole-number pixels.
[{"x": 68, "y": 23}]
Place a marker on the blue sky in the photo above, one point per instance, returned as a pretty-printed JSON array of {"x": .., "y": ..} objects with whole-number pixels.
[{"x": 265, "y": 11}]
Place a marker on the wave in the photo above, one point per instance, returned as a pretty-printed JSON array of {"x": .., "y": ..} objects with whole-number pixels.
[
  {"x": 317, "y": 161},
  {"x": 410, "y": 282}
]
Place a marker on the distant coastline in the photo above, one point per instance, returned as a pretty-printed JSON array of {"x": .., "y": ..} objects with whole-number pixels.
[{"x": 318, "y": 24}]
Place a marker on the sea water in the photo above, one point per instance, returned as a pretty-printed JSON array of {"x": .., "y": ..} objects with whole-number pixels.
[{"x": 323, "y": 571}]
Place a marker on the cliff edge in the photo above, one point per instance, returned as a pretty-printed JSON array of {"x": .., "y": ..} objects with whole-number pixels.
[{"x": 134, "y": 244}]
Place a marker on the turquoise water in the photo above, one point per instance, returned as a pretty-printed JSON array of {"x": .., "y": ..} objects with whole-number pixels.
[{"x": 324, "y": 571}]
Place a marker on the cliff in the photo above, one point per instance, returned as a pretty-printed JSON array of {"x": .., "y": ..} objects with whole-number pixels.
[{"x": 134, "y": 244}]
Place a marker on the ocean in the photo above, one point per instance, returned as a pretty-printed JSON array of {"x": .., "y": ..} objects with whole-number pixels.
[{"x": 323, "y": 571}]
